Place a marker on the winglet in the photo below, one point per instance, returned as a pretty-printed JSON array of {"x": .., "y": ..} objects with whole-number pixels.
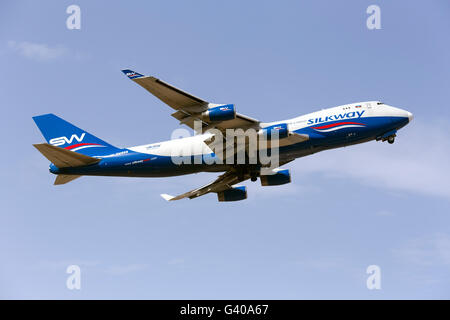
[
  {"x": 132, "y": 74},
  {"x": 167, "y": 197}
]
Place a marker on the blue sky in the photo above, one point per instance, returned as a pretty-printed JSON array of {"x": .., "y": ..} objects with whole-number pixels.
[{"x": 346, "y": 209}]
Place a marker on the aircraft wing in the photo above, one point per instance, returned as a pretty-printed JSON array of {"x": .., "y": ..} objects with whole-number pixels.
[
  {"x": 222, "y": 183},
  {"x": 188, "y": 108}
]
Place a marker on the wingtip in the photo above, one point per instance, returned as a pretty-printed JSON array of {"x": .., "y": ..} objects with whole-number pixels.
[
  {"x": 132, "y": 74},
  {"x": 166, "y": 196}
]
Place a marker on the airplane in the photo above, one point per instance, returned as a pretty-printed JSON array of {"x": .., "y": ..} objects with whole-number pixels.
[{"x": 73, "y": 152}]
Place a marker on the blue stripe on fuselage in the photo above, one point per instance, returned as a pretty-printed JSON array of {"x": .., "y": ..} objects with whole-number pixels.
[{"x": 130, "y": 163}]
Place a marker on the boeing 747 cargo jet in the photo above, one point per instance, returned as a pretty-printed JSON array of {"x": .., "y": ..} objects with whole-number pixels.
[{"x": 74, "y": 152}]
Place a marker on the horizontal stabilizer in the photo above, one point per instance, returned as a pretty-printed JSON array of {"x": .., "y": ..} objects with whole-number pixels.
[
  {"x": 63, "y": 158},
  {"x": 64, "y": 178}
]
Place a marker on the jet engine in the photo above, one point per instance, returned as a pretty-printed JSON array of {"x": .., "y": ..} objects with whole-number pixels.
[
  {"x": 233, "y": 194},
  {"x": 220, "y": 113},
  {"x": 278, "y": 178},
  {"x": 281, "y": 128}
]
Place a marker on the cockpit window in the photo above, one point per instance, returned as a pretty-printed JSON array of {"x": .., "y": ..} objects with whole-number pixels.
[{"x": 378, "y": 103}]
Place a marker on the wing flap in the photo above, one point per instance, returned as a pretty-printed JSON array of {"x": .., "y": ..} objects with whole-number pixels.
[{"x": 241, "y": 122}]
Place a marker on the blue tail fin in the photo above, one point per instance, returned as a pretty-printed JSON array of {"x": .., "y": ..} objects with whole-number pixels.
[{"x": 61, "y": 133}]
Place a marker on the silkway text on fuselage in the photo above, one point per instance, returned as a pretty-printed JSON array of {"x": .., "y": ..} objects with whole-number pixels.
[{"x": 348, "y": 115}]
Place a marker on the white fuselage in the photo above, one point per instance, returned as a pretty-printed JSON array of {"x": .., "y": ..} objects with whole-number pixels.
[{"x": 360, "y": 110}]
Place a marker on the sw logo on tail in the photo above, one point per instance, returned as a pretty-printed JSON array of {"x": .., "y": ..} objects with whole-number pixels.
[{"x": 63, "y": 140}]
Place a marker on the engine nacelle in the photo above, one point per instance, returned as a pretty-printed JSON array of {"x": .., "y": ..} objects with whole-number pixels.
[
  {"x": 279, "y": 178},
  {"x": 233, "y": 194},
  {"x": 220, "y": 113},
  {"x": 281, "y": 128}
]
